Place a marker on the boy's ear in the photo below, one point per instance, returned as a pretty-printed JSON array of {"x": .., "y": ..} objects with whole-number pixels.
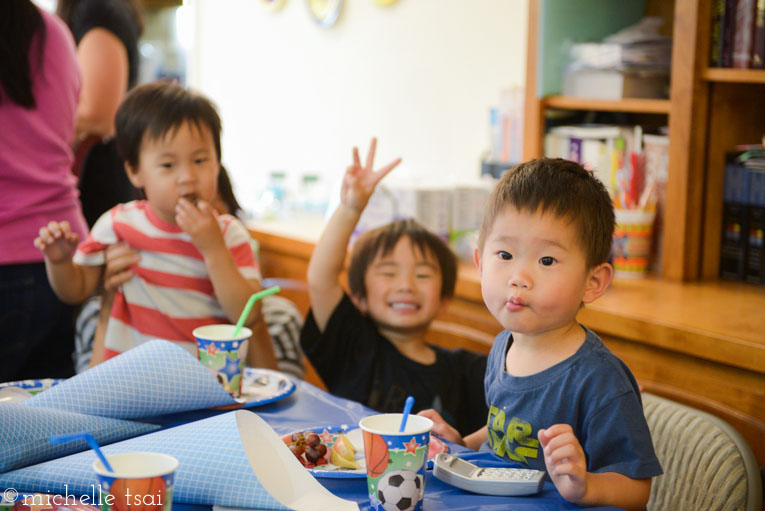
[
  {"x": 477, "y": 260},
  {"x": 598, "y": 280},
  {"x": 133, "y": 175}
]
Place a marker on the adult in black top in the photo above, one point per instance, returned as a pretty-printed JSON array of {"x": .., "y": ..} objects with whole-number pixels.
[
  {"x": 356, "y": 362},
  {"x": 106, "y": 33}
]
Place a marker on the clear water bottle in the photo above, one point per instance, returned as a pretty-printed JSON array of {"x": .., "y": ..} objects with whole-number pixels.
[
  {"x": 271, "y": 201},
  {"x": 312, "y": 200}
]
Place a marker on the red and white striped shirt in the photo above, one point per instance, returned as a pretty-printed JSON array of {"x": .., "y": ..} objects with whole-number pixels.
[{"x": 171, "y": 293}]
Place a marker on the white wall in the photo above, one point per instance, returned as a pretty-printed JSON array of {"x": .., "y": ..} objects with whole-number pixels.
[{"x": 420, "y": 75}]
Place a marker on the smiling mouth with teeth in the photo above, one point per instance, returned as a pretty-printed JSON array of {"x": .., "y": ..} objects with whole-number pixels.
[{"x": 406, "y": 306}]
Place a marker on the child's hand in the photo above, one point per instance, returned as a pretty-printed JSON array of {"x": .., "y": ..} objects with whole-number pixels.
[
  {"x": 441, "y": 428},
  {"x": 119, "y": 260},
  {"x": 200, "y": 223},
  {"x": 359, "y": 182},
  {"x": 57, "y": 241},
  {"x": 565, "y": 461}
]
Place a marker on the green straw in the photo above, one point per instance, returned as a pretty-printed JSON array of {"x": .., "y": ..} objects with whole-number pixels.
[{"x": 247, "y": 308}]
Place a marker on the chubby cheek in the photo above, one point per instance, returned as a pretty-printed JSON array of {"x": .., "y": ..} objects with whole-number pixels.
[{"x": 492, "y": 290}]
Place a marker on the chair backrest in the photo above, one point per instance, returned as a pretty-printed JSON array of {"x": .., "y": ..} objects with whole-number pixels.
[
  {"x": 454, "y": 335},
  {"x": 707, "y": 464}
]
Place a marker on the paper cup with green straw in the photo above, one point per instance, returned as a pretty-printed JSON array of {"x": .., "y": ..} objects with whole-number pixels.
[{"x": 223, "y": 348}]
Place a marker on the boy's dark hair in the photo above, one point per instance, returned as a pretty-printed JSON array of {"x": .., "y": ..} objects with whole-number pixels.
[
  {"x": 156, "y": 109},
  {"x": 382, "y": 241},
  {"x": 564, "y": 188}
]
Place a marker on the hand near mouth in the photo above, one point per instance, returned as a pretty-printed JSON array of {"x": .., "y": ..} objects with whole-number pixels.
[{"x": 200, "y": 222}]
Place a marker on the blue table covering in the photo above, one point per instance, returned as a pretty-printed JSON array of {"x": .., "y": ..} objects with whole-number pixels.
[{"x": 311, "y": 407}]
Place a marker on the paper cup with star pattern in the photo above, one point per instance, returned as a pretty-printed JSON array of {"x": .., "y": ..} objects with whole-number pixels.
[
  {"x": 396, "y": 460},
  {"x": 224, "y": 354}
]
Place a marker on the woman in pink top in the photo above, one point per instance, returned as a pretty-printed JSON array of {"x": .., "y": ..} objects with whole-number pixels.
[{"x": 39, "y": 87}]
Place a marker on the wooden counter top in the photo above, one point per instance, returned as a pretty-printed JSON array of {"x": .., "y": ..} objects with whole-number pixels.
[{"x": 723, "y": 321}]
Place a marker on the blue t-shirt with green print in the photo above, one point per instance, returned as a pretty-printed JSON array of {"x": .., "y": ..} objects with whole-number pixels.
[{"x": 593, "y": 391}]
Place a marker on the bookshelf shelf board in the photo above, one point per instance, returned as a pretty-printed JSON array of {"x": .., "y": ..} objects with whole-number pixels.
[
  {"x": 720, "y": 74},
  {"x": 637, "y": 105}
]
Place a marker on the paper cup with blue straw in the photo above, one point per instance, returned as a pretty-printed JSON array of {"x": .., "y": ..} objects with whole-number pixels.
[
  {"x": 223, "y": 348},
  {"x": 138, "y": 481},
  {"x": 396, "y": 454},
  {"x": 130, "y": 481}
]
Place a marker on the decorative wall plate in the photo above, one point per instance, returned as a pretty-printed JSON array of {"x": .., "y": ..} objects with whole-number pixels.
[
  {"x": 273, "y": 5},
  {"x": 325, "y": 12}
]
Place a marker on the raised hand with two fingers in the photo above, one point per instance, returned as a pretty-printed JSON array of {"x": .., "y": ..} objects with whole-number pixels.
[{"x": 360, "y": 181}]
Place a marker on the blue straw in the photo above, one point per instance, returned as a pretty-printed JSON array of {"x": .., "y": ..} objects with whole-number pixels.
[
  {"x": 407, "y": 409},
  {"x": 60, "y": 439}
]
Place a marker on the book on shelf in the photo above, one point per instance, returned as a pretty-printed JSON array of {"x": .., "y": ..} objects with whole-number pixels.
[
  {"x": 743, "y": 33},
  {"x": 716, "y": 33},
  {"x": 737, "y": 34},
  {"x": 758, "y": 50},
  {"x": 729, "y": 28},
  {"x": 603, "y": 149}
]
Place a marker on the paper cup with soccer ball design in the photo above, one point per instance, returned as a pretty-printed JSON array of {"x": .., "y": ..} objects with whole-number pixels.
[
  {"x": 141, "y": 481},
  {"x": 396, "y": 461},
  {"x": 224, "y": 354},
  {"x": 632, "y": 242}
]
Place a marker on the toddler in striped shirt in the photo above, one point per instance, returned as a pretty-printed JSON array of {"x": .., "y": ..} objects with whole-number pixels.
[{"x": 196, "y": 267}]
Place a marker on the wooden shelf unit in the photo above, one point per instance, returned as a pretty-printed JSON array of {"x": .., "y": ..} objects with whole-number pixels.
[
  {"x": 721, "y": 74},
  {"x": 710, "y": 111},
  {"x": 632, "y": 105}
]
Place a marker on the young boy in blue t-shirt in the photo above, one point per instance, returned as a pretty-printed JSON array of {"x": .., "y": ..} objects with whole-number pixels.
[{"x": 558, "y": 399}]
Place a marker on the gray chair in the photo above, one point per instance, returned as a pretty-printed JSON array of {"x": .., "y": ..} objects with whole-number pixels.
[{"x": 707, "y": 464}]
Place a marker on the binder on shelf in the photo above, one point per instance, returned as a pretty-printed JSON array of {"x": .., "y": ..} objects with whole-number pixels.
[
  {"x": 734, "y": 222},
  {"x": 754, "y": 267},
  {"x": 754, "y": 270},
  {"x": 742, "y": 250}
]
